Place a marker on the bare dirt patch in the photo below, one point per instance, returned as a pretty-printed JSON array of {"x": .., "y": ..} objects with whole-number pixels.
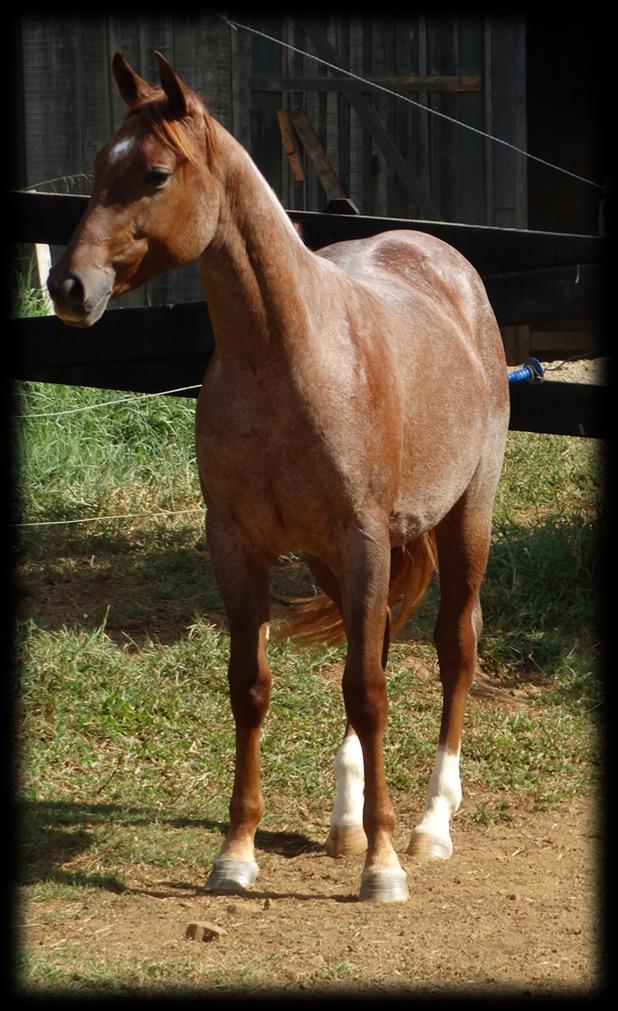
[
  {"x": 580, "y": 370},
  {"x": 515, "y": 909}
]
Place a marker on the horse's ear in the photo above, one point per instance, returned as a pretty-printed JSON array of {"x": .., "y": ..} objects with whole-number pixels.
[
  {"x": 176, "y": 91},
  {"x": 130, "y": 85}
]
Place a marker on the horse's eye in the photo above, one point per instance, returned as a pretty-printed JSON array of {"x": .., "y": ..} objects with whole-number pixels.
[{"x": 156, "y": 177}]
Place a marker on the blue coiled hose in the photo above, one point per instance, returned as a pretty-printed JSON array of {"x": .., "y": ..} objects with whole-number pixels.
[{"x": 532, "y": 370}]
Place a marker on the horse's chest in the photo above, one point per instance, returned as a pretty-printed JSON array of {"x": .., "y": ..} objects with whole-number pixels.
[{"x": 262, "y": 478}]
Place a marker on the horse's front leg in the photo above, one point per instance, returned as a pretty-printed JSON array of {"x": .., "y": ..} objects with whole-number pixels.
[
  {"x": 346, "y": 835},
  {"x": 364, "y": 591},
  {"x": 243, "y": 582}
]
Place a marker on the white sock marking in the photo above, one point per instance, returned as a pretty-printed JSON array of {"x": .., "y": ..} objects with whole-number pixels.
[
  {"x": 443, "y": 796},
  {"x": 350, "y": 778}
]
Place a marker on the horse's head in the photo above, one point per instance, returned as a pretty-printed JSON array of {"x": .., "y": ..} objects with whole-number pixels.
[{"x": 155, "y": 201}]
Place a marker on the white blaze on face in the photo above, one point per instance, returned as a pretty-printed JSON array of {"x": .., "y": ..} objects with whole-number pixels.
[
  {"x": 350, "y": 779},
  {"x": 443, "y": 797},
  {"x": 121, "y": 148}
]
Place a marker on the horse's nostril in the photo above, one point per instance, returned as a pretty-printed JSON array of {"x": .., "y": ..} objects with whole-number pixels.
[
  {"x": 68, "y": 291},
  {"x": 71, "y": 291},
  {"x": 80, "y": 299}
]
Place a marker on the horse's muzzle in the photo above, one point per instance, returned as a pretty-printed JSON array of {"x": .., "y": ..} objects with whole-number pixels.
[{"x": 77, "y": 301}]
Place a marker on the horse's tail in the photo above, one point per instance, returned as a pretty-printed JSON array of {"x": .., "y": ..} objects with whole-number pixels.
[{"x": 412, "y": 565}]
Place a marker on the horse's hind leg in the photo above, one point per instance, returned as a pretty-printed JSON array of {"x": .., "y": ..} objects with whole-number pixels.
[
  {"x": 364, "y": 581},
  {"x": 463, "y": 539},
  {"x": 243, "y": 583},
  {"x": 346, "y": 835}
]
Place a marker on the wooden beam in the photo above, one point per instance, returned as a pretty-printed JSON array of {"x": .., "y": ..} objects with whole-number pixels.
[
  {"x": 547, "y": 295},
  {"x": 492, "y": 250},
  {"x": 569, "y": 341},
  {"x": 404, "y": 82},
  {"x": 289, "y": 145},
  {"x": 516, "y": 340},
  {"x": 320, "y": 160},
  {"x": 42, "y": 259},
  {"x": 555, "y": 408},
  {"x": 140, "y": 349},
  {"x": 52, "y": 218},
  {"x": 44, "y": 217}
]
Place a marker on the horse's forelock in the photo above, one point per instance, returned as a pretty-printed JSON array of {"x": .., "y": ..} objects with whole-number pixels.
[{"x": 174, "y": 131}]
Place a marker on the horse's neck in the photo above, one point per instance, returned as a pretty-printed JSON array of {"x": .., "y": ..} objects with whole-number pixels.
[{"x": 255, "y": 268}]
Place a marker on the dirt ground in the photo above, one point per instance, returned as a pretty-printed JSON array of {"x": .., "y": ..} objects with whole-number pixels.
[
  {"x": 514, "y": 911},
  {"x": 580, "y": 370}
]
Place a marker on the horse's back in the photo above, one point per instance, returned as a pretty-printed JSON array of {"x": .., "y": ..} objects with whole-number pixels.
[{"x": 424, "y": 281}]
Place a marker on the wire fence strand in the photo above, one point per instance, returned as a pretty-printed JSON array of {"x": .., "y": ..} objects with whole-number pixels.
[
  {"x": 106, "y": 403},
  {"x": 405, "y": 98},
  {"x": 103, "y": 519}
]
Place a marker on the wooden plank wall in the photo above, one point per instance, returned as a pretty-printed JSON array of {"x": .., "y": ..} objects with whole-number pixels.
[
  {"x": 467, "y": 178},
  {"x": 373, "y": 141},
  {"x": 71, "y": 104}
]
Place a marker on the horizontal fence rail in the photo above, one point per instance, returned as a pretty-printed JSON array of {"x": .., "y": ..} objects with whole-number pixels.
[
  {"x": 531, "y": 277},
  {"x": 53, "y": 217}
]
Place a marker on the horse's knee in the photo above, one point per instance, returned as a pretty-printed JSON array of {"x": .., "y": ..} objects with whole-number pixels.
[{"x": 249, "y": 694}]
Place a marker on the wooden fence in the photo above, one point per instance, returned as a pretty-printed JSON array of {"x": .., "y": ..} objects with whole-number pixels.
[{"x": 530, "y": 277}]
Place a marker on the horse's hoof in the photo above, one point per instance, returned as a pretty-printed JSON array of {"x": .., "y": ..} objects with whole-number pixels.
[
  {"x": 429, "y": 847},
  {"x": 384, "y": 885},
  {"x": 231, "y": 876},
  {"x": 345, "y": 840}
]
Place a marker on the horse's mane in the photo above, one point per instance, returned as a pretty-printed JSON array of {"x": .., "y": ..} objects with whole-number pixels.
[{"x": 173, "y": 130}]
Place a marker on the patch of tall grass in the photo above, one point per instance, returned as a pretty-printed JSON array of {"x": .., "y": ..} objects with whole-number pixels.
[
  {"x": 26, "y": 298},
  {"x": 132, "y": 456}
]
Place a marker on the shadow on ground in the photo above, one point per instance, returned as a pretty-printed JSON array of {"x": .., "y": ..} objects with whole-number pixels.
[
  {"x": 53, "y": 833},
  {"x": 539, "y": 596}
]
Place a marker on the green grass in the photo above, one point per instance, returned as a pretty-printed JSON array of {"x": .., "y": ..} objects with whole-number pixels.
[
  {"x": 132, "y": 457},
  {"x": 124, "y": 976},
  {"x": 26, "y": 298},
  {"x": 154, "y": 721},
  {"x": 125, "y": 735}
]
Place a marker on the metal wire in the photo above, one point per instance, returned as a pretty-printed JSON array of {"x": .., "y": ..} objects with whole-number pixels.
[
  {"x": 405, "y": 98},
  {"x": 102, "y": 519},
  {"x": 106, "y": 403}
]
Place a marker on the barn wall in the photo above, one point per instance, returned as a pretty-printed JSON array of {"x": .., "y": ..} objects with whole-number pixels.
[{"x": 391, "y": 158}]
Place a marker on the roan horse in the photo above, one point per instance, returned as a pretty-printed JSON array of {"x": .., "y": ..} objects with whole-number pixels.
[{"x": 355, "y": 410}]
